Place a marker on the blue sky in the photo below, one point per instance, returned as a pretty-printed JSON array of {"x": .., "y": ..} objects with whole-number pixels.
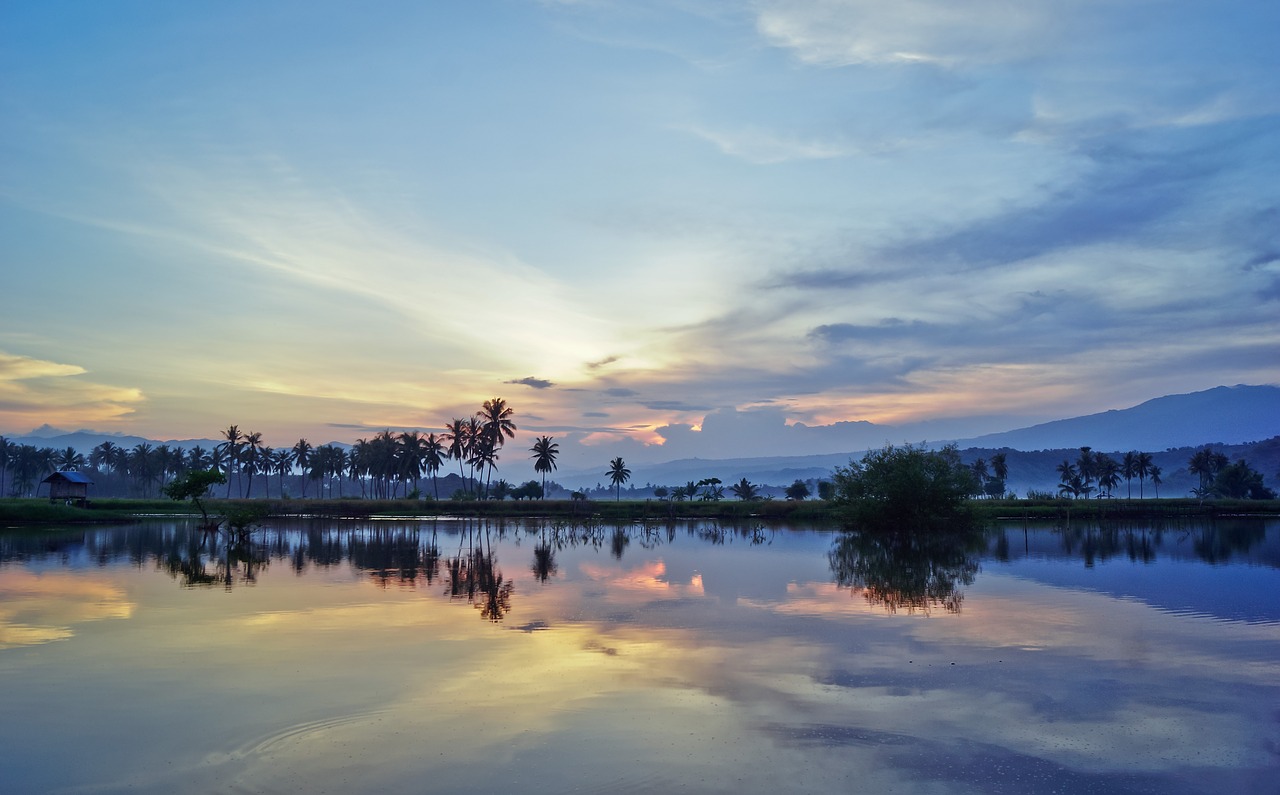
[{"x": 315, "y": 220}]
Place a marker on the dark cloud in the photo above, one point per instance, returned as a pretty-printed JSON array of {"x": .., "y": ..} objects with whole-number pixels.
[
  {"x": 890, "y": 328},
  {"x": 602, "y": 362},
  {"x": 536, "y": 383},
  {"x": 594, "y": 414},
  {"x": 673, "y": 405}
]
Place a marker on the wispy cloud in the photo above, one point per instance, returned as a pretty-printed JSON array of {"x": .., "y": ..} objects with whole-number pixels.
[{"x": 765, "y": 148}]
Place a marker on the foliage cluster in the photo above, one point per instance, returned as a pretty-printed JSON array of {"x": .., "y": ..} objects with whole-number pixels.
[{"x": 908, "y": 489}]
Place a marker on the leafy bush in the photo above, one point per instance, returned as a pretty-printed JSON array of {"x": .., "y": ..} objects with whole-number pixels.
[{"x": 906, "y": 488}]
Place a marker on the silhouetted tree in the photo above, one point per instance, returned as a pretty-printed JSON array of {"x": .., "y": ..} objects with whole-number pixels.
[
  {"x": 544, "y": 458},
  {"x": 619, "y": 474}
]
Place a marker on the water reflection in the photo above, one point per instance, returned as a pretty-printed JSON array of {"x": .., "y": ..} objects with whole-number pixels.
[
  {"x": 706, "y": 657},
  {"x": 915, "y": 573}
]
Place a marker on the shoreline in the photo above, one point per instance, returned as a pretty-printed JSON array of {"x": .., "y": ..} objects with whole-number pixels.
[{"x": 37, "y": 511}]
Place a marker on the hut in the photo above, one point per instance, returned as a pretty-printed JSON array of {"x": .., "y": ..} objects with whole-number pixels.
[{"x": 70, "y": 487}]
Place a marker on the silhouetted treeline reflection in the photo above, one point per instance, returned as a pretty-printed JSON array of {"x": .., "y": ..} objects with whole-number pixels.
[
  {"x": 459, "y": 559},
  {"x": 911, "y": 572}
]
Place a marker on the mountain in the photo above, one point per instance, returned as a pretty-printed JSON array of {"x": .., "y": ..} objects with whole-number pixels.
[{"x": 1223, "y": 415}]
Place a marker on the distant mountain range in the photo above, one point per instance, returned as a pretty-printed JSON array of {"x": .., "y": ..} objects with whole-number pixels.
[{"x": 1223, "y": 415}]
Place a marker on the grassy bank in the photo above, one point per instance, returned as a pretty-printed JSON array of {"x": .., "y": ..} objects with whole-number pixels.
[{"x": 41, "y": 511}]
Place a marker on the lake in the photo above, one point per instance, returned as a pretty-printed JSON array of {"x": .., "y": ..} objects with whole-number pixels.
[{"x": 464, "y": 656}]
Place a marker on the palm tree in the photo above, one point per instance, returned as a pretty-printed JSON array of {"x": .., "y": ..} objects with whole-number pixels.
[
  {"x": 1108, "y": 473},
  {"x": 980, "y": 472},
  {"x": 745, "y": 490},
  {"x": 496, "y": 427},
  {"x": 412, "y": 456},
  {"x": 1068, "y": 475},
  {"x": 1129, "y": 468},
  {"x": 302, "y": 456},
  {"x": 282, "y": 464},
  {"x": 619, "y": 474},
  {"x": 433, "y": 455},
  {"x": 231, "y": 448},
  {"x": 1086, "y": 465},
  {"x": 544, "y": 454},
  {"x": 1000, "y": 468},
  {"x": 455, "y": 438},
  {"x": 1144, "y": 469},
  {"x": 1155, "y": 478},
  {"x": 69, "y": 459},
  {"x": 251, "y": 458}
]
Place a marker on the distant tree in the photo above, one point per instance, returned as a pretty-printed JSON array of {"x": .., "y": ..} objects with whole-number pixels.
[
  {"x": 619, "y": 474},
  {"x": 745, "y": 490},
  {"x": 433, "y": 455},
  {"x": 500, "y": 490},
  {"x": 980, "y": 475},
  {"x": 1155, "y": 479},
  {"x": 544, "y": 457},
  {"x": 826, "y": 490},
  {"x": 1144, "y": 470},
  {"x": 302, "y": 457},
  {"x": 797, "y": 491},
  {"x": 906, "y": 488},
  {"x": 192, "y": 486},
  {"x": 1000, "y": 469},
  {"x": 1129, "y": 468},
  {"x": 1239, "y": 481},
  {"x": 496, "y": 427},
  {"x": 1108, "y": 473},
  {"x": 1086, "y": 466},
  {"x": 231, "y": 450},
  {"x": 251, "y": 458},
  {"x": 1206, "y": 464},
  {"x": 69, "y": 460},
  {"x": 660, "y": 492},
  {"x": 712, "y": 491}
]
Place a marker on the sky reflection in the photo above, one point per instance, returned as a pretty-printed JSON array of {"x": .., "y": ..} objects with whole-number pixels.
[{"x": 685, "y": 664}]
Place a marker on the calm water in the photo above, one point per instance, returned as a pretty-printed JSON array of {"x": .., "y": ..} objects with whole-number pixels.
[{"x": 463, "y": 657}]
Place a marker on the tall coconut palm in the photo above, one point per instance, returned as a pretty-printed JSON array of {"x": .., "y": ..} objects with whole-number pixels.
[
  {"x": 231, "y": 450},
  {"x": 1129, "y": 468},
  {"x": 1144, "y": 470},
  {"x": 455, "y": 439},
  {"x": 619, "y": 474},
  {"x": 544, "y": 458},
  {"x": 1086, "y": 466},
  {"x": 433, "y": 455},
  {"x": 412, "y": 453},
  {"x": 1155, "y": 474},
  {"x": 281, "y": 462},
  {"x": 302, "y": 457},
  {"x": 1000, "y": 468},
  {"x": 251, "y": 458},
  {"x": 496, "y": 427},
  {"x": 1108, "y": 473},
  {"x": 69, "y": 459}
]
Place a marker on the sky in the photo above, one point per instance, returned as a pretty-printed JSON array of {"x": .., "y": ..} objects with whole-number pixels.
[{"x": 656, "y": 229}]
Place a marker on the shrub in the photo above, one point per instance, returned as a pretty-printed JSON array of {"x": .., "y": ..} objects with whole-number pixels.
[{"x": 906, "y": 488}]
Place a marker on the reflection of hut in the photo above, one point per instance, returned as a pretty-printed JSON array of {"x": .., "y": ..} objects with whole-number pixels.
[{"x": 69, "y": 487}]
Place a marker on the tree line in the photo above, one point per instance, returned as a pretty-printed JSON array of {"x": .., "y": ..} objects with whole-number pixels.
[{"x": 391, "y": 465}]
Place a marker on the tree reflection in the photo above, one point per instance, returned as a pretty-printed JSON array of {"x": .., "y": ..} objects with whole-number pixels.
[
  {"x": 473, "y": 575},
  {"x": 907, "y": 571}
]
